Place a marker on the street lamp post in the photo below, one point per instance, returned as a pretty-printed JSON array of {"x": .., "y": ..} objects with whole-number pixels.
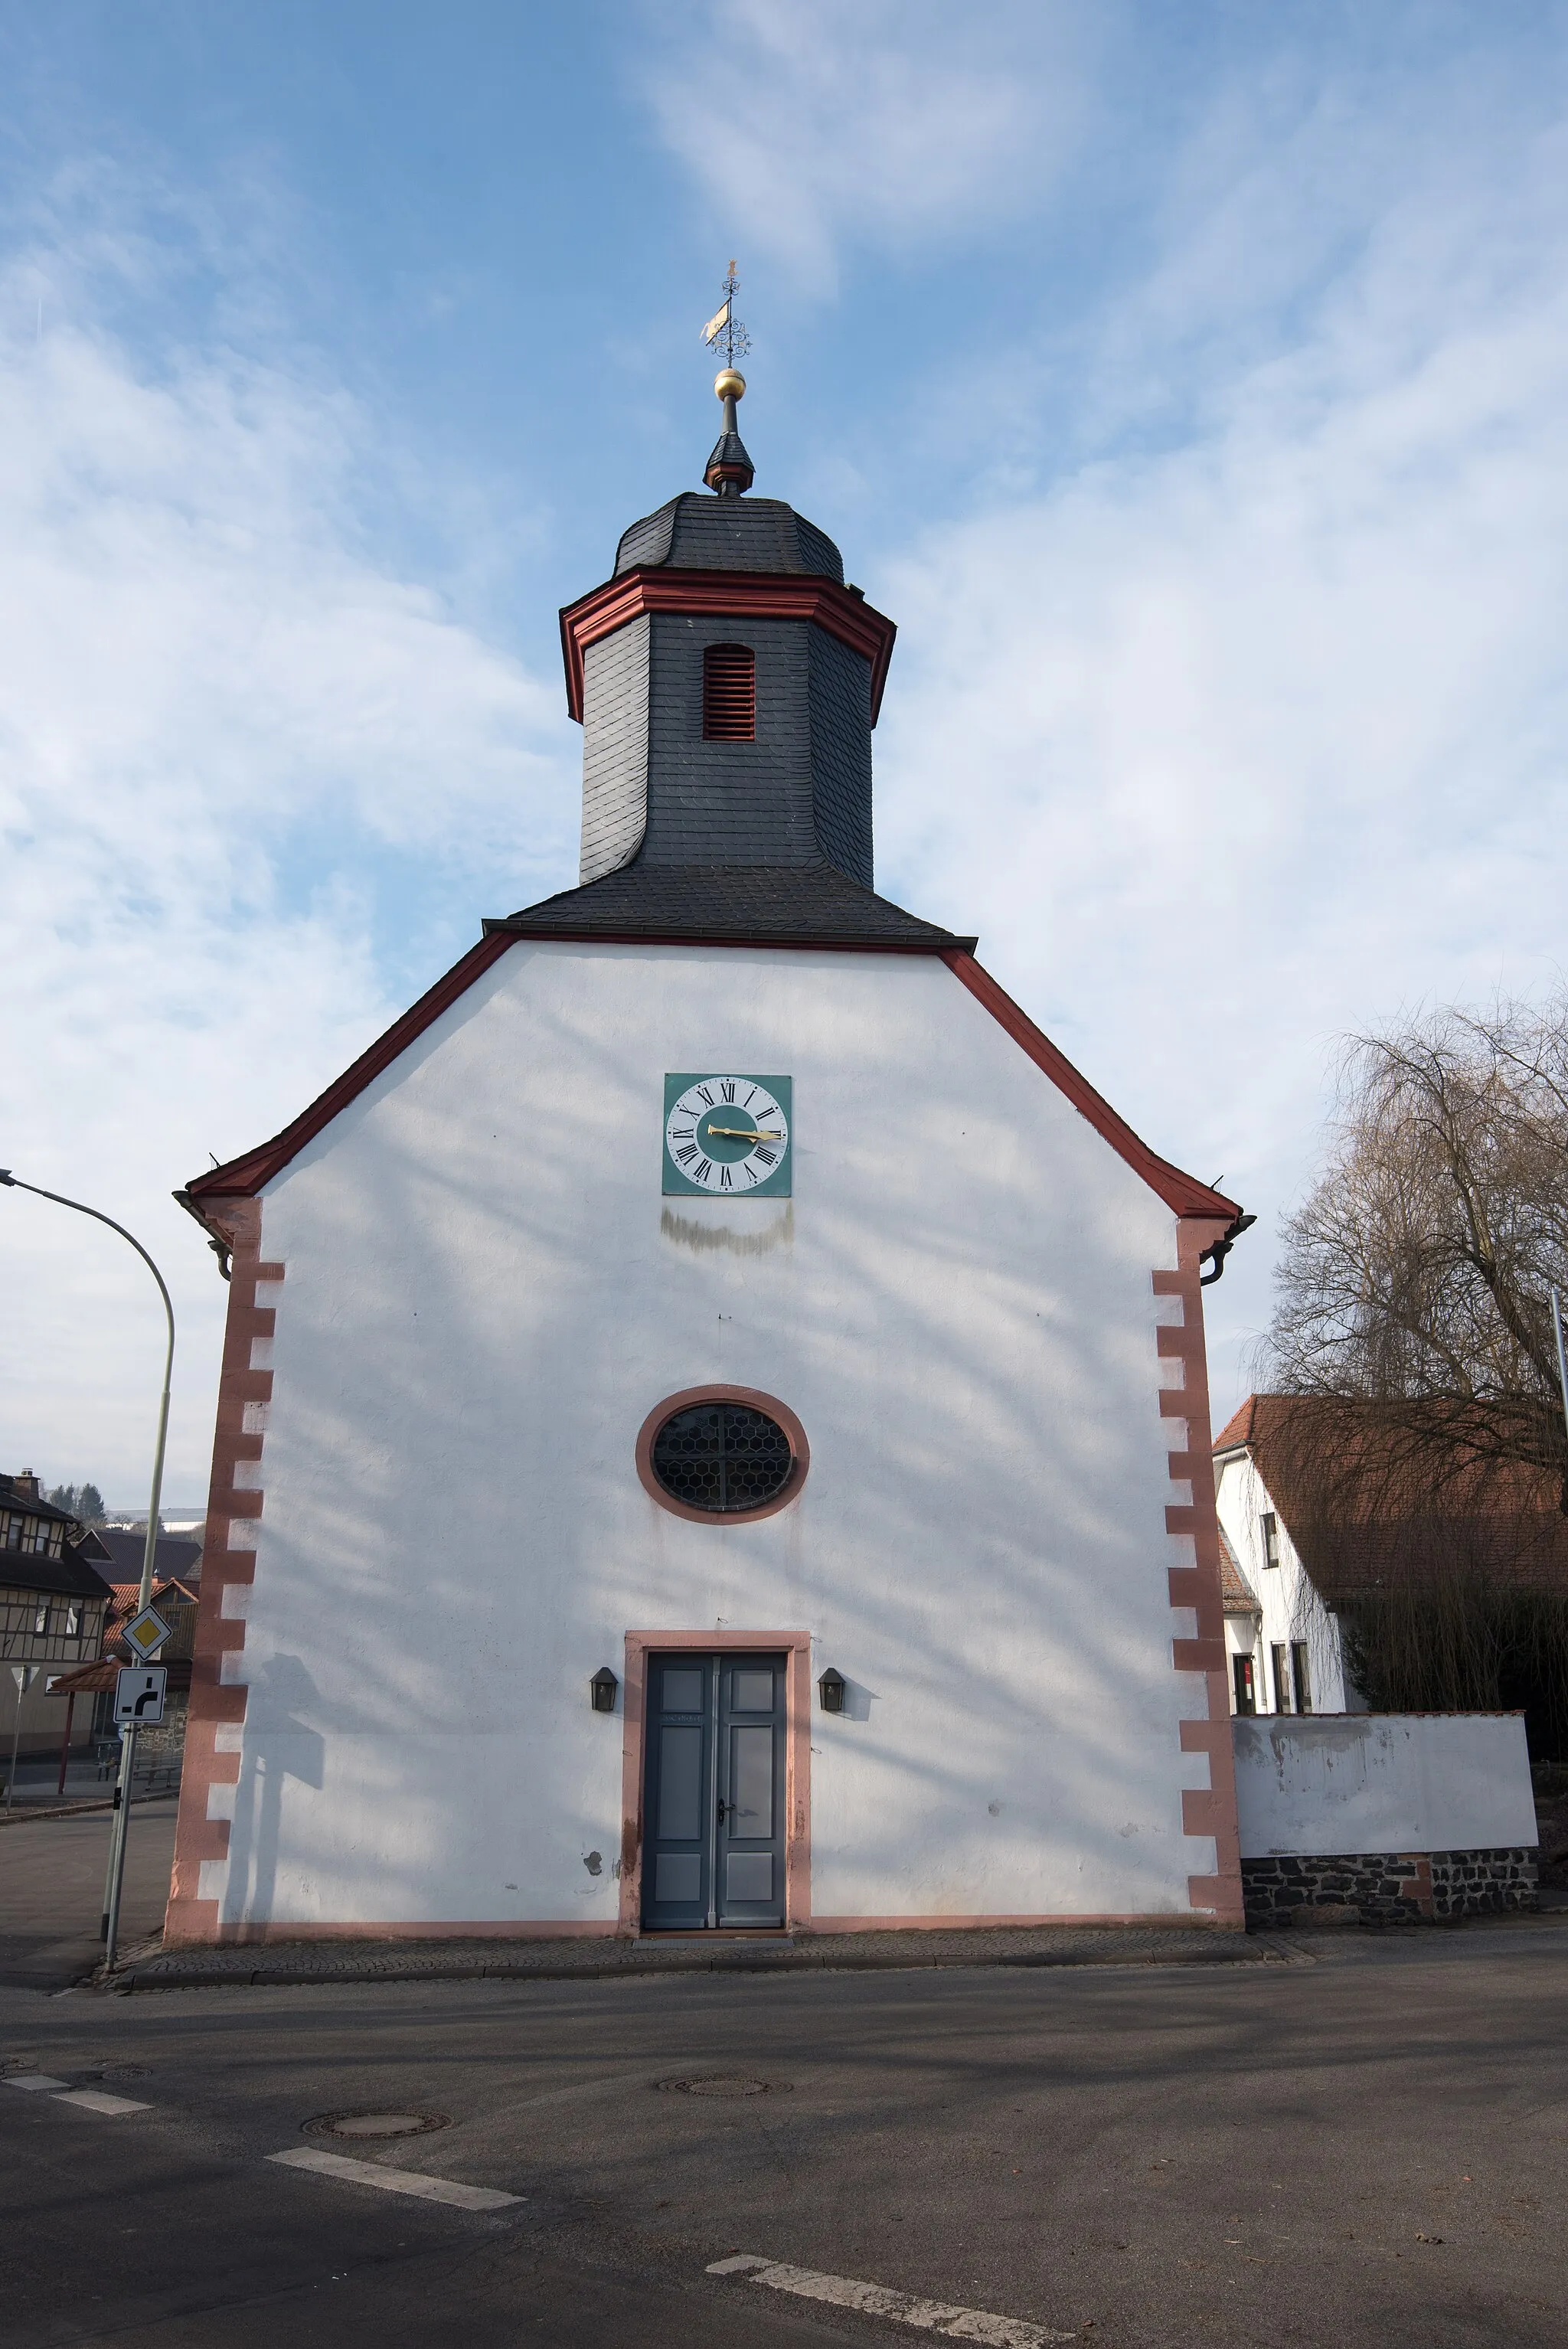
[
  {"x": 114, "y": 1881},
  {"x": 1562, "y": 1350}
]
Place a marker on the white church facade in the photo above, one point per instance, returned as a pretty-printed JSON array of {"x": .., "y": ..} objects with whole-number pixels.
[{"x": 714, "y": 1429}]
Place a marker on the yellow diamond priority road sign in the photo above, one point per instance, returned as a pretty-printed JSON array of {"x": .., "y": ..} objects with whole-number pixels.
[{"x": 145, "y": 1634}]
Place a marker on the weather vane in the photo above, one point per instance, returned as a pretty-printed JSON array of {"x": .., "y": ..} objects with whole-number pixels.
[{"x": 724, "y": 334}]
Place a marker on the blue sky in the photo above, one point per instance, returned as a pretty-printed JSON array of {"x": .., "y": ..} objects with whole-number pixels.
[{"x": 1187, "y": 382}]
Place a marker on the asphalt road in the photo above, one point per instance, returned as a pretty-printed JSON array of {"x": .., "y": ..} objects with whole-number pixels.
[
  {"x": 51, "y": 1891},
  {"x": 1368, "y": 2147}
]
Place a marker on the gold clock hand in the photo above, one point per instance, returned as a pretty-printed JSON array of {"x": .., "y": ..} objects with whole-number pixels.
[{"x": 743, "y": 1134}]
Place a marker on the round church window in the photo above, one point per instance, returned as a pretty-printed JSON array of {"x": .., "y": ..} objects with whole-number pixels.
[{"x": 725, "y": 1452}]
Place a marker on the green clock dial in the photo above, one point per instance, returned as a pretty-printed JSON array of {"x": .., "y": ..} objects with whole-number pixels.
[{"x": 728, "y": 1136}]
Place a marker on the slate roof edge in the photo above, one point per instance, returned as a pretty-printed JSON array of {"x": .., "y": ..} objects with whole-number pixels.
[
  {"x": 67, "y": 1576},
  {"x": 520, "y": 925},
  {"x": 34, "y": 1505}
]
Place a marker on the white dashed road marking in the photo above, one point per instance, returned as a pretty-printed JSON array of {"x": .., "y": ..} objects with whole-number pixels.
[
  {"x": 94, "y": 2100},
  {"x": 397, "y": 2182},
  {"x": 902, "y": 2307},
  {"x": 91, "y": 2100}
]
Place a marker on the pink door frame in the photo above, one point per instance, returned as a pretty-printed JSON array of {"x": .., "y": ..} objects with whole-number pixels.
[{"x": 797, "y": 1648}]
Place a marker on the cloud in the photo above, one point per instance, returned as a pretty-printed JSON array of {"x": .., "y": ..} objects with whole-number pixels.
[
  {"x": 897, "y": 122},
  {"x": 236, "y": 752},
  {"x": 1233, "y": 744}
]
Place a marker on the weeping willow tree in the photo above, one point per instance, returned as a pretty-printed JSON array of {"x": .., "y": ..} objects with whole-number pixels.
[{"x": 1428, "y": 1455}]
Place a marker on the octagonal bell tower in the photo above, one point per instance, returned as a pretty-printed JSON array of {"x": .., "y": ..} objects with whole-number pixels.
[{"x": 728, "y": 682}]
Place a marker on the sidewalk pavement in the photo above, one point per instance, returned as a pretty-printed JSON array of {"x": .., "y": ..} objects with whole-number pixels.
[
  {"x": 36, "y": 1787},
  {"x": 581, "y": 1958},
  {"x": 51, "y": 1891},
  {"x": 88, "y": 1787}
]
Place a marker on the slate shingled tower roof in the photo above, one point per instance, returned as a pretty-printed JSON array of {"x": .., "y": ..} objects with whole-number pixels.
[{"x": 686, "y": 834}]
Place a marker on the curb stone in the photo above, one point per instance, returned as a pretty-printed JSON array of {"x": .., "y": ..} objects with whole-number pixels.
[{"x": 292, "y": 1966}]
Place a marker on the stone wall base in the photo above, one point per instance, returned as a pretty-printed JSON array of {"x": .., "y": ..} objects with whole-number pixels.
[
  {"x": 161, "y": 1743},
  {"x": 1386, "y": 1887}
]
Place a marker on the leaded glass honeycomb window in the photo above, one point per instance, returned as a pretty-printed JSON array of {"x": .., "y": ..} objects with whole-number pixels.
[{"x": 722, "y": 1456}]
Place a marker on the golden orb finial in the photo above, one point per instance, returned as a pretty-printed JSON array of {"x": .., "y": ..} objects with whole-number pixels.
[{"x": 729, "y": 384}]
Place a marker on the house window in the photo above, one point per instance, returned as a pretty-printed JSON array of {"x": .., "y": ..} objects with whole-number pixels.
[
  {"x": 1301, "y": 1676},
  {"x": 41, "y": 1619},
  {"x": 1246, "y": 1685},
  {"x": 728, "y": 694},
  {"x": 73, "y": 1619},
  {"x": 1271, "y": 1537},
  {"x": 1281, "y": 1659}
]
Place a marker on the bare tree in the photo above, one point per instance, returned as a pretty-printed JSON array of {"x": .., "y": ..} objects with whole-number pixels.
[{"x": 1414, "y": 1284}]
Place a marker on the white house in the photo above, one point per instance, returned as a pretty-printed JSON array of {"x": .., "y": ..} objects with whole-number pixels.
[
  {"x": 714, "y": 1423},
  {"x": 1284, "y": 1651}
]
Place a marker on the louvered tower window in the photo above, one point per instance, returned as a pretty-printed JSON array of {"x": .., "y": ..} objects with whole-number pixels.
[{"x": 728, "y": 694}]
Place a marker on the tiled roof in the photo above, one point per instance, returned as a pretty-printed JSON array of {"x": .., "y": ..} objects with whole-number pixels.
[
  {"x": 92, "y": 1679},
  {"x": 176, "y": 1598},
  {"x": 799, "y": 904},
  {"x": 1240, "y": 1598},
  {"x": 1361, "y": 1513},
  {"x": 1237, "y": 1429}
]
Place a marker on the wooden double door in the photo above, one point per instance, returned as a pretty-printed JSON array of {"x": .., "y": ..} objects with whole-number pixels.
[{"x": 713, "y": 1797}]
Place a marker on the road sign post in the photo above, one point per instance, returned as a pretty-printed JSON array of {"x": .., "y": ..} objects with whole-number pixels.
[
  {"x": 23, "y": 1675},
  {"x": 138, "y": 1703},
  {"x": 139, "y": 1695}
]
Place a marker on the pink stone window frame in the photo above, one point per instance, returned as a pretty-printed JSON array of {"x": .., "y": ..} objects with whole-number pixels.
[{"x": 755, "y": 1400}]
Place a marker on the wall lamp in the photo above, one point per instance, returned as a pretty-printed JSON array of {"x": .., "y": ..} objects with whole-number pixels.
[
  {"x": 602, "y": 1690},
  {"x": 831, "y": 1689}
]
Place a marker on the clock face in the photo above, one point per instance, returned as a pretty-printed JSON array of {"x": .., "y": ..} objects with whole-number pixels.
[{"x": 728, "y": 1136}]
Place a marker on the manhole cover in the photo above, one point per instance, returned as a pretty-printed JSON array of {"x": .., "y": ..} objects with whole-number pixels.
[
  {"x": 363, "y": 2125},
  {"x": 722, "y": 2083}
]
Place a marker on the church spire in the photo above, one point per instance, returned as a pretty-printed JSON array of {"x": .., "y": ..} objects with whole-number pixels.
[{"x": 729, "y": 470}]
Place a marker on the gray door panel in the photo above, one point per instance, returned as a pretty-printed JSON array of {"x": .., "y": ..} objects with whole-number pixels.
[
  {"x": 679, "y": 1799},
  {"x": 747, "y": 1875},
  {"x": 714, "y": 1792},
  {"x": 683, "y": 1781},
  {"x": 750, "y": 1879}
]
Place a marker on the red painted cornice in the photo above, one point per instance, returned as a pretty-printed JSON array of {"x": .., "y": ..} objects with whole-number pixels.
[
  {"x": 738, "y": 594},
  {"x": 1183, "y": 1193}
]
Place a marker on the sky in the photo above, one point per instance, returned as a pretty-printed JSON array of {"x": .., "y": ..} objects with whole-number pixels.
[{"x": 1187, "y": 382}]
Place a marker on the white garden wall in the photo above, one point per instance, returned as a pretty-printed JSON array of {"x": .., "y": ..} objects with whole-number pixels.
[{"x": 1350, "y": 1783}]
